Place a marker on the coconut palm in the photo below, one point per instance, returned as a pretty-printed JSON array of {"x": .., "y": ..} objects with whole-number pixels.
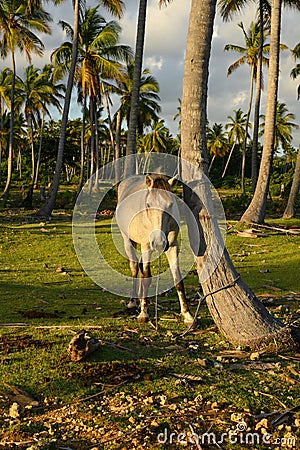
[
  {"x": 99, "y": 57},
  {"x": 116, "y": 8},
  {"x": 157, "y": 139},
  {"x": 148, "y": 106},
  {"x": 38, "y": 91},
  {"x": 138, "y": 64},
  {"x": 178, "y": 114},
  {"x": 217, "y": 142},
  {"x": 227, "y": 296},
  {"x": 251, "y": 54},
  {"x": 284, "y": 126},
  {"x": 256, "y": 210},
  {"x": 295, "y": 72},
  {"x": 290, "y": 210},
  {"x": 236, "y": 132},
  {"x": 16, "y": 33}
]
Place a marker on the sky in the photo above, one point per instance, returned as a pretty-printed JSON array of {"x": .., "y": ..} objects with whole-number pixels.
[{"x": 166, "y": 31}]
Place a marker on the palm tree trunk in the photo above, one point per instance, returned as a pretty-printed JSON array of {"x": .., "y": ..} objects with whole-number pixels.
[
  {"x": 246, "y": 130},
  {"x": 82, "y": 147},
  {"x": 138, "y": 63},
  {"x": 118, "y": 146},
  {"x": 211, "y": 163},
  {"x": 47, "y": 208},
  {"x": 5, "y": 193},
  {"x": 290, "y": 210},
  {"x": 254, "y": 158},
  {"x": 37, "y": 169},
  {"x": 30, "y": 126},
  {"x": 110, "y": 126},
  {"x": 228, "y": 159},
  {"x": 234, "y": 308},
  {"x": 257, "y": 208}
]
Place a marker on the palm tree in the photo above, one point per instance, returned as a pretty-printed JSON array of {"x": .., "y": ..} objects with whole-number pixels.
[
  {"x": 178, "y": 114},
  {"x": 295, "y": 72},
  {"x": 234, "y": 307},
  {"x": 217, "y": 142},
  {"x": 38, "y": 92},
  {"x": 284, "y": 126},
  {"x": 138, "y": 63},
  {"x": 116, "y": 8},
  {"x": 290, "y": 210},
  {"x": 52, "y": 97},
  {"x": 15, "y": 33},
  {"x": 251, "y": 55},
  {"x": 148, "y": 107},
  {"x": 236, "y": 132},
  {"x": 157, "y": 139},
  {"x": 256, "y": 210},
  {"x": 99, "y": 57}
]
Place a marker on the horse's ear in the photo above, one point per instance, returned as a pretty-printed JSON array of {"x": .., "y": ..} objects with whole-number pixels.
[
  {"x": 149, "y": 180},
  {"x": 172, "y": 181}
]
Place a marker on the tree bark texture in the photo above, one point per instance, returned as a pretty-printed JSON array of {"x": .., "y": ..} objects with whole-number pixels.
[
  {"x": 290, "y": 210},
  {"x": 257, "y": 208},
  {"x": 236, "y": 311}
]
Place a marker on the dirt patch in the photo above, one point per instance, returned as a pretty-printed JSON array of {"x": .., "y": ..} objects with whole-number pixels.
[{"x": 9, "y": 344}]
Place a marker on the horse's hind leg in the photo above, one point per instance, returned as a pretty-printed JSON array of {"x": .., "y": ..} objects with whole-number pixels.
[
  {"x": 145, "y": 283},
  {"x": 172, "y": 256}
]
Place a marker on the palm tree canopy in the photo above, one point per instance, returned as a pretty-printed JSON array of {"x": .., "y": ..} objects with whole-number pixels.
[
  {"x": 16, "y": 25},
  {"x": 149, "y": 98},
  {"x": 217, "y": 142},
  {"x": 250, "y": 52},
  {"x": 237, "y": 126},
  {"x": 283, "y": 127}
]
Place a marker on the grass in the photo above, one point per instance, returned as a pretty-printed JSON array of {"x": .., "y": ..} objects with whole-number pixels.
[{"x": 127, "y": 398}]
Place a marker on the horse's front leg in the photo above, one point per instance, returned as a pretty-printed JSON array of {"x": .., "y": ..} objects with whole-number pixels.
[
  {"x": 172, "y": 256},
  {"x": 145, "y": 283},
  {"x": 134, "y": 268}
]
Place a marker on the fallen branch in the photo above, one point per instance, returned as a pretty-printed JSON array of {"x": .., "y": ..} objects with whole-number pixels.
[{"x": 282, "y": 230}]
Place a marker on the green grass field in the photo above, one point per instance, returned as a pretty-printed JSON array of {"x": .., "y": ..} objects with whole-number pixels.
[{"x": 142, "y": 385}]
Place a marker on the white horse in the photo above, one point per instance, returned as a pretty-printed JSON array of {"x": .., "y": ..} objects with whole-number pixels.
[{"x": 148, "y": 215}]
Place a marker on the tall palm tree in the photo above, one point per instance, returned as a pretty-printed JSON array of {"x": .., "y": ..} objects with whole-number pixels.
[
  {"x": 227, "y": 296},
  {"x": 148, "y": 106},
  {"x": 99, "y": 57},
  {"x": 236, "y": 132},
  {"x": 157, "y": 139},
  {"x": 138, "y": 64},
  {"x": 38, "y": 92},
  {"x": 290, "y": 210},
  {"x": 52, "y": 97},
  {"x": 178, "y": 114},
  {"x": 295, "y": 72},
  {"x": 15, "y": 33},
  {"x": 251, "y": 54},
  {"x": 116, "y": 8},
  {"x": 284, "y": 126},
  {"x": 256, "y": 210},
  {"x": 217, "y": 142}
]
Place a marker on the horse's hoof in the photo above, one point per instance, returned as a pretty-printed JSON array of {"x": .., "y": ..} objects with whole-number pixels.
[
  {"x": 131, "y": 304},
  {"x": 143, "y": 318},
  {"x": 193, "y": 324}
]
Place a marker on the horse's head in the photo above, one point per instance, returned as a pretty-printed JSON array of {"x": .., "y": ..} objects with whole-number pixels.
[{"x": 161, "y": 211}]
